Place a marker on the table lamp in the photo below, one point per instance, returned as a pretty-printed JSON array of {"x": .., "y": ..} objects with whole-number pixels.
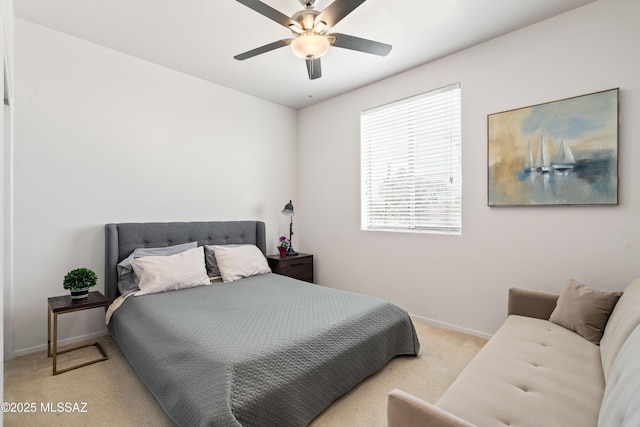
[{"x": 288, "y": 211}]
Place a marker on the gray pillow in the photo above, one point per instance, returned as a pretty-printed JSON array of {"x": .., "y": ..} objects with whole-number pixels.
[
  {"x": 127, "y": 279},
  {"x": 584, "y": 311},
  {"x": 210, "y": 262}
]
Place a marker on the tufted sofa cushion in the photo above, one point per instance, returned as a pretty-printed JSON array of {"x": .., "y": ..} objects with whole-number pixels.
[
  {"x": 623, "y": 320},
  {"x": 529, "y": 374}
]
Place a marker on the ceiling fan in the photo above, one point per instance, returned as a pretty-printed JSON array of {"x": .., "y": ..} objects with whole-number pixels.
[{"x": 310, "y": 28}]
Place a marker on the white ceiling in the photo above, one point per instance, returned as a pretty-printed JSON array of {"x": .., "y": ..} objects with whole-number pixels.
[{"x": 200, "y": 37}]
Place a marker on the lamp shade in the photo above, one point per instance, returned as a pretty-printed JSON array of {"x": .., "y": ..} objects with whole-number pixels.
[
  {"x": 288, "y": 209},
  {"x": 310, "y": 45}
]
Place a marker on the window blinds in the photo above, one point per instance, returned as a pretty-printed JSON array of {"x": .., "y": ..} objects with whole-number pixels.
[{"x": 411, "y": 165}]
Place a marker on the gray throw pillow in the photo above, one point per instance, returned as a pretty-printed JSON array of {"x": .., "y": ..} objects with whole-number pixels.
[
  {"x": 210, "y": 262},
  {"x": 127, "y": 279},
  {"x": 584, "y": 311}
]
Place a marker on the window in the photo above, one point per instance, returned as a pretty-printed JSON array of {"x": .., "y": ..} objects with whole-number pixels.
[{"x": 411, "y": 167}]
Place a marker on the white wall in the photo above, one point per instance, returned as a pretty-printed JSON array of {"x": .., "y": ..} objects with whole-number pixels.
[
  {"x": 6, "y": 155},
  {"x": 463, "y": 280},
  {"x": 103, "y": 137},
  {"x": 6, "y": 149}
]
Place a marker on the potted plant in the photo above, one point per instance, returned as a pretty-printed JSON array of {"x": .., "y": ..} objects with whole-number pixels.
[
  {"x": 78, "y": 281},
  {"x": 283, "y": 245}
]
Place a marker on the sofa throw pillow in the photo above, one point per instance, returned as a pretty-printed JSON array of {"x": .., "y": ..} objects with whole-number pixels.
[
  {"x": 584, "y": 310},
  {"x": 236, "y": 262},
  {"x": 167, "y": 273}
]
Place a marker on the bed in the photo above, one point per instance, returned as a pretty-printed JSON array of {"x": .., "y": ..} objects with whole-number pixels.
[{"x": 264, "y": 350}]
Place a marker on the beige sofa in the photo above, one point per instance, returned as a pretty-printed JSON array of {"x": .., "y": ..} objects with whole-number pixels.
[{"x": 533, "y": 372}]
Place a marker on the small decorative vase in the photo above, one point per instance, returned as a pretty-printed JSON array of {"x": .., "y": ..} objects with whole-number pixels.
[
  {"x": 283, "y": 251},
  {"x": 79, "y": 293}
]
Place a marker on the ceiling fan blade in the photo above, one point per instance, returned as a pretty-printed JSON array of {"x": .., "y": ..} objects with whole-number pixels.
[
  {"x": 337, "y": 10},
  {"x": 362, "y": 45},
  {"x": 313, "y": 68},
  {"x": 263, "y": 49},
  {"x": 269, "y": 12}
]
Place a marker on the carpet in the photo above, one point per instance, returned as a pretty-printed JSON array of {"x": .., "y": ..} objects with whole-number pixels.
[{"x": 109, "y": 393}]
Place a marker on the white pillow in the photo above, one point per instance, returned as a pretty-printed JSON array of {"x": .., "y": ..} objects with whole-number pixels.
[
  {"x": 236, "y": 262},
  {"x": 167, "y": 273}
]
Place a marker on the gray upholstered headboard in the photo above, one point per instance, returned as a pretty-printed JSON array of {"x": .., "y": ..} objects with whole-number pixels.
[{"x": 122, "y": 239}]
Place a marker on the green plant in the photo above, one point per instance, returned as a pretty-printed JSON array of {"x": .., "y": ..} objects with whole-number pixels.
[{"x": 79, "y": 278}]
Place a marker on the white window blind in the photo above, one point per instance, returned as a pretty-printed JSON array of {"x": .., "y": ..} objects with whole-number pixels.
[{"x": 411, "y": 166}]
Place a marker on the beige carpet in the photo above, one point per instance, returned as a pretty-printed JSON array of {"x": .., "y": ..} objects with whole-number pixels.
[{"x": 114, "y": 395}]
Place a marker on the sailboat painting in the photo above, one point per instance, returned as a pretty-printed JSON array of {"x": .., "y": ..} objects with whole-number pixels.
[
  {"x": 563, "y": 161},
  {"x": 558, "y": 153}
]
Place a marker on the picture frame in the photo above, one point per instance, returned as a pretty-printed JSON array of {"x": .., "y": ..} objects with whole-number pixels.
[{"x": 561, "y": 152}]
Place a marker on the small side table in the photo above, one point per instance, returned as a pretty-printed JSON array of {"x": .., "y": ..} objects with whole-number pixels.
[
  {"x": 297, "y": 266},
  {"x": 64, "y": 304}
]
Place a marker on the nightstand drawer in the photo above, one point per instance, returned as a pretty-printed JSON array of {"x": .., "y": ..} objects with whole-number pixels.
[{"x": 299, "y": 266}]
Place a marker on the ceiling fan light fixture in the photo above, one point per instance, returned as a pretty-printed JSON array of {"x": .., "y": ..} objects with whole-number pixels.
[
  {"x": 296, "y": 29},
  {"x": 319, "y": 27},
  {"x": 309, "y": 45}
]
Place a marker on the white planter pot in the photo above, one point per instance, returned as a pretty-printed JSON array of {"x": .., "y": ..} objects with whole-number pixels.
[{"x": 79, "y": 293}]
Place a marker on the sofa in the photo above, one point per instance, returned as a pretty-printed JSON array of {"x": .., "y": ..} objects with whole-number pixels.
[{"x": 540, "y": 369}]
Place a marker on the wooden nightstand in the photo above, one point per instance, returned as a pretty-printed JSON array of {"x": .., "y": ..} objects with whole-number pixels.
[
  {"x": 64, "y": 304},
  {"x": 297, "y": 266}
]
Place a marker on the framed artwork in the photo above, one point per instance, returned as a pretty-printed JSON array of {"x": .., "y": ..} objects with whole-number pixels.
[{"x": 558, "y": 153}]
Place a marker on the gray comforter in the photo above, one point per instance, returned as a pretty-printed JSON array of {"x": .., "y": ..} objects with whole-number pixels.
[{"x": 262, "y": 351}]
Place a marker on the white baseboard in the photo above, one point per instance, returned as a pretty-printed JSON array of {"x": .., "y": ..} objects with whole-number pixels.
[
  {"x": 450, "y": 326},
  {"x": 67, "y": 341},
  {"x": 105, "y": 332}
]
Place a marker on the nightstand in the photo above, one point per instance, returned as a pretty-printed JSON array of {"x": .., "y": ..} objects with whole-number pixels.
[
  {"x": 64, "y": 304},
  {"x": 297, "y": 266}
]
